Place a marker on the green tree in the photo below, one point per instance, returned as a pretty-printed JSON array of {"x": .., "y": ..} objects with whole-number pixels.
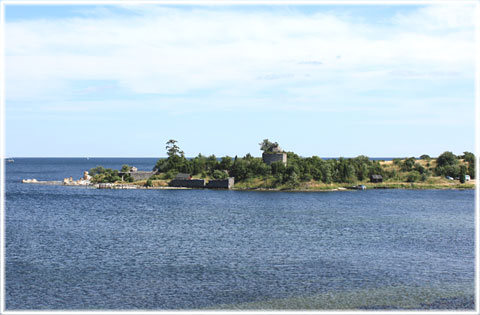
[
  {"x": 211, "y": 164},
  {"x": 176, "y": 160},
  {"x": 239, "y": 169},
  {"x": 463, "y": 172},
  {"x": 447, "y": 165},
  {"x": 218, "y": 174},
  {"x": 447, "y": 158},
  {"x": 173, "y": 149},
  {"x": 96, "y": 170},
  {"x": 226, "y": 163},
  {"x": 468, "y": 157},
  {"x": 268, "y": 147},
  {"x": 408, "y": 164},
  {"x": 419, "y": 168},
  {"x": 413, "y": 176},
  {"x": 125, "y": 168},
  {"x": 278, "y": 167},
  {"x": 199, "y": 164}
]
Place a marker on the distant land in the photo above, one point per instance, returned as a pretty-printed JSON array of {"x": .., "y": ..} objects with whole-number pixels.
[{"x": 282, "y": 170}]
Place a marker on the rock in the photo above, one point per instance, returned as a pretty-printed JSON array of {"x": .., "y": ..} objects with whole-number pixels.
[{"x": 33, "y": 180}]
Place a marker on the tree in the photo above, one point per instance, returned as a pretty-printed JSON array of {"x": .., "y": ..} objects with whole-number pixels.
[
  {"x": 413, "y": 176},
  {"x": 211, "y": 163},
  {"x": 199, "y": 164},
  {"x": 408, "y": 164},
  {"x": 268, "y": 147},
  {"x": 226, "y": 163},
  {"x": 447, "y": 158},
  {"x": 173, "y": 149},
  {"x": 278, "y": 167},
  {"x": 468, "y": 157},
  {"x": 217, "y": 174},
  {"x": 463, "y": 172},
  {"x": 419, "y": 168},
  {"x": 176, "y": 160},
  {"x": 96, "y": 170},
  {"x": 425, "y": 157},
  {"x": 125, "y": 168},
  {"x": 239, "y": 169}
]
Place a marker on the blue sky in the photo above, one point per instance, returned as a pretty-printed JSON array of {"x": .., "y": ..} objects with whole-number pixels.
[{"x": 120, "y": 81}]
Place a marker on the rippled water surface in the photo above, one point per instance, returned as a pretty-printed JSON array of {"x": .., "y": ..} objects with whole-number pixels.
[{"x": 77, "y": 248}]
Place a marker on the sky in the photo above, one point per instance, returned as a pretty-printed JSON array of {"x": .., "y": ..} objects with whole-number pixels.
[{"x": 328, "y": 80}]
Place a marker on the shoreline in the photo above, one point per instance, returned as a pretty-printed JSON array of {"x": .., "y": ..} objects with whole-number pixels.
[{"x": 406, "y": 186}]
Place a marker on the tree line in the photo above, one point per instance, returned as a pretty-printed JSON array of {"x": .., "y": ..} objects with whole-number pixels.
[
  {"x": 301, "y": 169},
  {"x": 298, "y": 169}
]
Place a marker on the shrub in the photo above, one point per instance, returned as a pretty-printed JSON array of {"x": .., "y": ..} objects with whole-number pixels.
[
  {"x": 408, "y": 164},
  {"x": 419, "y": 168},
  {"x": 424, "y": 177},
  {"x": 413, "y": 176},
  {"x": 278, "y": 167},
  {"x": 217, "y": 174},
  {"x": 170, "y": 174},
  {"x": 96, "y": 170}
]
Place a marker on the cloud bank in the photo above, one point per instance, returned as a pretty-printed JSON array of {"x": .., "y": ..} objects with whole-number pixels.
[{"x": 411, "y": 67}]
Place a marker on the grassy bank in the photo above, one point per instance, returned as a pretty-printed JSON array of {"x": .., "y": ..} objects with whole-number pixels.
[{"x": 432, "y": 183}]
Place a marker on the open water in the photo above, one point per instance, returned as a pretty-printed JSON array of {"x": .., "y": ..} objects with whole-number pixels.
[{"x": 77, "y": 248}]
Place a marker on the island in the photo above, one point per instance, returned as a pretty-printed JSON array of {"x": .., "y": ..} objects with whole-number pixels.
[{"x": 282, "y": 170}]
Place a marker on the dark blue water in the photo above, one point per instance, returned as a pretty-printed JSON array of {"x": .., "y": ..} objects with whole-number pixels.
[{"x": 77, "y": 248}]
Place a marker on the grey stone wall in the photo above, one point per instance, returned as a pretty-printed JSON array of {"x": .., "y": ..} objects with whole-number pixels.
[
  {"x": 269, "y": 158},
  {"x": 139, "y": 175},
  {"x": 221, "y": 183},
  {"x": 191, "y": 183}
]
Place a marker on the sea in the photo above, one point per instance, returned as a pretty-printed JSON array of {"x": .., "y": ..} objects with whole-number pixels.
[{"x": 77, "y": 248}]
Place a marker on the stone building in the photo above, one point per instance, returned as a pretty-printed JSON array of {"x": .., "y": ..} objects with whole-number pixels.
[
  {"x": 136, "y": 174},
  {"x": 189, "y": 183},
  {"x": 221, "y": 183},
  {"x": 269, "y": 158}
]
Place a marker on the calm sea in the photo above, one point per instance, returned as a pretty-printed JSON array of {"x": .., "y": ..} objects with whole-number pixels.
[{"x": 78, "y": 248}]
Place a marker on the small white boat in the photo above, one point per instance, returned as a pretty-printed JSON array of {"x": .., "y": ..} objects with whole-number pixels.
[{"x": 10, "y": 160}]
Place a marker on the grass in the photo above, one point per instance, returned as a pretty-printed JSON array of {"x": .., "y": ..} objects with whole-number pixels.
[
  {"x": 431, "y": 183},
  {"x": 156, "y": 183}
]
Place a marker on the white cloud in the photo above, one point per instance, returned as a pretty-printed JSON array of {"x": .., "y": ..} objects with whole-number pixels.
[{"x": 173, "y": 51}]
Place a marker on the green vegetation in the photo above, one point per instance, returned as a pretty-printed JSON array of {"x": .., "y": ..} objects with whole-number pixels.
[
  {"x": 269, "y": 147},
  {"x": 316, "y": 173},
  {"x": 104, "y": 175},
  {"x": 107, "y": 175},
  {"x": 304, "y": 173},
  {"x": 149, "y": 183}
]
